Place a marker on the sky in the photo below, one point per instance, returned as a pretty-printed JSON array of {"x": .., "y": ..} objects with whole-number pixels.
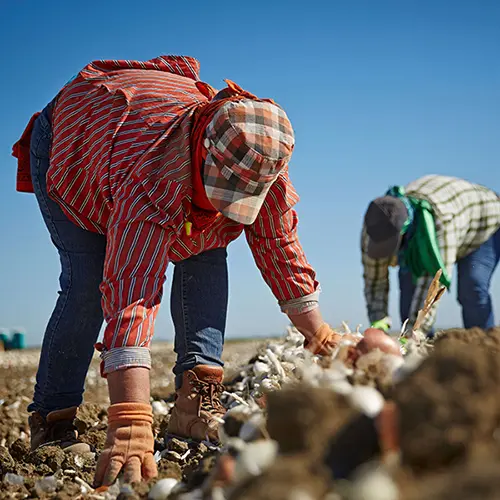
[{"x": 379, "y": 93}]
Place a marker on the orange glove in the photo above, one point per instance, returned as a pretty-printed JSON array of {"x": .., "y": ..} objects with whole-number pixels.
[
  {"x": 129, "y": 445},
  {"x": 323, "y": 341}
]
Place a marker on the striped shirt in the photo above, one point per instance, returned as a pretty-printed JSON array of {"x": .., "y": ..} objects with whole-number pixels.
[
  {"x": 121, "y": 166},
  {"x": 466, "y": 215}
]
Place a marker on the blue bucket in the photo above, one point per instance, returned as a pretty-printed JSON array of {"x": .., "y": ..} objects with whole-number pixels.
[{"x": 18, "y": 341}]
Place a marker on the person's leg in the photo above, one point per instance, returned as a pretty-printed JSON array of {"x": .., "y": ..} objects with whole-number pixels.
[
  {"x": 474, "y": 277},
  {"x": 406, "y": 291},
  {"x": 199, "y": 306},
  {"x": 77, "y": 318},
  {"x": 199, "y": 300}
]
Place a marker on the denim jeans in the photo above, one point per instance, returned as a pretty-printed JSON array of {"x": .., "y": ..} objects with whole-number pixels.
[
  {"x": 198, "y": 300},
  {"x": 198, "y": 305},
  {"x": 474, "y": 278},
  {"x": 473, "y": 293}
]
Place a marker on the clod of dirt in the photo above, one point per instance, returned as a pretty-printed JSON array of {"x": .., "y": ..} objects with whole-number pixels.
[
  {"x": 51, "y": 456},
  {"x": 302, "y": 419},
  {"x": 489, "y": 338},
  {"x": 70, "y": 491},
  {"x": 449, "y": 405},
  {"x": 19, "y": 449},
  {"x": 163, "y": 425},
  {"x": 90, "y": 416},
  {"x": 13, "y": 423},
  {"x": 195, "y": 474},
  {"x": 6, "y": 461},
  {"x": 178, "y": 446},
  {"x": 173, "y": 456},
  {"x": 91, "y": 425},
  {"x": 95, "y": 438},
  {"x": 9, "y": 490},
  {"x": 476, "y": 481},
  {"x": 84, "y": 465},
  {"x": 82, "y": 462},
  {"x": 169, "y": 469},
  {"x": 27, "y": 470},
  {"x": 289, "y": 473}
]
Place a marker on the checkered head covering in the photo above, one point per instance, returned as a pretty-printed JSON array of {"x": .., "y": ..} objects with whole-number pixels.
[{"x": 248, "y": 144}]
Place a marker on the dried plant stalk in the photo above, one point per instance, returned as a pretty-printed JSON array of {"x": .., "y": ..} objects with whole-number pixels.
[{"x": 434, "y": 293}]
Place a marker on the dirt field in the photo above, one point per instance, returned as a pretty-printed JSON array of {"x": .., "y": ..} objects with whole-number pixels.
[
  {"x": 17, "y": 379},
  {"x": 447, "y": 428}
]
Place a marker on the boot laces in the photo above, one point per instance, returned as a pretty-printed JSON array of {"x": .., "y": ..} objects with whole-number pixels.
[{"x": 210, "y": 394}]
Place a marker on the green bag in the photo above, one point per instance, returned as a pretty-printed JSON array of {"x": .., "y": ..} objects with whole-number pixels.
[{"x": 422, "y": 255}]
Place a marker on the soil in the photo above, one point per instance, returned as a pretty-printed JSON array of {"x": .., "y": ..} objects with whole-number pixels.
[
  {"x": 449, "y": 407},
  {"x": 17, "y": 379},
  {"x": 294, "y": 473},
  {"x": 476, "y": 481},
  {"x": 449, "y": 415},
  {"x": 302, "y": 420}
]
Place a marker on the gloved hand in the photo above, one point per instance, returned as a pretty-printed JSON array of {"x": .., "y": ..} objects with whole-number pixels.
[
  {"x": 129, "y": 445},
  {"x": 323, "y": 341},
  {"x": 383, "y": 324}
]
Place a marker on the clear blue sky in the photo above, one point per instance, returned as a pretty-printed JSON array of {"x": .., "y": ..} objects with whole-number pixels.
[{"x": 379, "y": 92}]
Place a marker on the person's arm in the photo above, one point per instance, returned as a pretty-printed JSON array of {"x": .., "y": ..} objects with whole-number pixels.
[
  {"x": 134, "y": 274},
  {"x": 130, "y": 385},
  {"x": 132, "y": 288},
  {"x": 307, "y": 323},
  {"x": 376, "y": 283},
  {"x": 278, "y": 254}
]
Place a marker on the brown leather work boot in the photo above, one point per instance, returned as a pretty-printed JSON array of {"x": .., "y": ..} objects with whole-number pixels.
[
  {"x": 56, "y": 430},
  {"x": 197, "y": 404}
]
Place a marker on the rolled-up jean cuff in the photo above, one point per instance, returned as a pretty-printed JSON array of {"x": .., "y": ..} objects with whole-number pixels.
[
  {"x": 301, "y": 305},
  {"x": 120, "y": 358}
]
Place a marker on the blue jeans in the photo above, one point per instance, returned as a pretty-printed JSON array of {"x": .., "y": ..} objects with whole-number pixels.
[
  {"x": 198, "y": 300},
  {"x": 474, "y": 278},
  {"x": 198, "y": 305}
]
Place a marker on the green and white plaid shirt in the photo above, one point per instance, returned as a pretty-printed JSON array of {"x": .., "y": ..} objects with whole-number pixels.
[{"x": 465, "y": 214}]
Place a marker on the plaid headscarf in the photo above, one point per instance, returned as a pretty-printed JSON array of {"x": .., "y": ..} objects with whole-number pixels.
[{"x": 247, "y": 142}]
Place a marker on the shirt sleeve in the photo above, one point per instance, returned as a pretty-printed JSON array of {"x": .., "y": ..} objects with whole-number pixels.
[
  {"x": 376, "y": 282},
  {"x": 278, "y": 254},
  {"x": 132, "y": 287}
]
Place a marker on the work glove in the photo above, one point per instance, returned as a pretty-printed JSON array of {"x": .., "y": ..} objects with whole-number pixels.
[
  {"x": 129, "y": 445},
  {"x": 383, "y": 324},
  {"x": 323, "y": 341}
]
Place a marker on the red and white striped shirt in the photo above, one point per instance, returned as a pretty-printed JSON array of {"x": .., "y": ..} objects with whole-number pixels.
[{"x": 121, "y": 166}]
